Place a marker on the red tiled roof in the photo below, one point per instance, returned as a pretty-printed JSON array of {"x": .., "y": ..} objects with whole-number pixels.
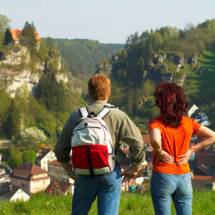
[
  {"x": 16, "y": 33},
  {"x": 55, "y": 163},
  {"x": 27, "y": 171}
]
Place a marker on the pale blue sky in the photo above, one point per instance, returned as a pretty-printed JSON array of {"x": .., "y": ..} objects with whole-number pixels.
[{"x": 109, "y": 21}]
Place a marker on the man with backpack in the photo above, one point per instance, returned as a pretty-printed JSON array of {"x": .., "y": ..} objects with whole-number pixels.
[{"x": 89, "y": 150}]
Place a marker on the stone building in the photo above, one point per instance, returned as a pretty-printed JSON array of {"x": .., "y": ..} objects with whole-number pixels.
[
  {"x": 4, "y": 181},
  {"x": 31, "y": 178},
  {"x": 44, "y": 157},
  {"x": 57, "y": 172}
]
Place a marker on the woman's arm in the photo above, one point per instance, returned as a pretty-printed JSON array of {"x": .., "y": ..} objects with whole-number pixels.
[
  {"x": 155, "y": 139},
  {"x": 208, "y": 138}
]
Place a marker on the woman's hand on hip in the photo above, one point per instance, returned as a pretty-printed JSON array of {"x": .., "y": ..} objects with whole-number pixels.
[
  {"x": 165, "y": 157},
  {"x": 185, "y": 157}
]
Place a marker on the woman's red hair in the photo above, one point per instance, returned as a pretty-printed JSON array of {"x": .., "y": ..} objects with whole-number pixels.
[{"x": 171, "y": 101}]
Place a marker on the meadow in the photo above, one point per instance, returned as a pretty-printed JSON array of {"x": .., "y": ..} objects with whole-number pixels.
[{"x": 131, "y": 204}]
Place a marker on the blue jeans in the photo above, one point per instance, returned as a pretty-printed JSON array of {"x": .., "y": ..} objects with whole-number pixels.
[
  {"x": 165, "y": 187},
  {"x": 107, "y": 189}
]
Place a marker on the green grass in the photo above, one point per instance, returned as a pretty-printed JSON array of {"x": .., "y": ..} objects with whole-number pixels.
[{"x": 131, "y": 204}]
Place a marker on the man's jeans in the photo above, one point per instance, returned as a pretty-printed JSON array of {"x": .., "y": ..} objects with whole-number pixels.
[
  {"x": 167, "y": 186},
  {"x": 106, "y": 188}
]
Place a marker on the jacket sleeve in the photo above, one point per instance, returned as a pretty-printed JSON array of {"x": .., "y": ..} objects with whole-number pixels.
[
  {"x": 130, "y": 134},
  {"x": 63, "y": 146}
]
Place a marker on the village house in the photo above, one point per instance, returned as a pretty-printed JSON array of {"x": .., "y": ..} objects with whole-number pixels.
[
  {"x": 57, "y": 172},
  {"x": 44, "y": 157},
  {"x": 16, "y": 34},
  {"x": 4, "y": 181},
  {"x": 31, "y": 178},
  {"x": 4, "y": 178}
]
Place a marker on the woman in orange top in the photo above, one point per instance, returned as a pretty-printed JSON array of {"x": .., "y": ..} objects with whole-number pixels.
[{"x": 170, "y": 135}]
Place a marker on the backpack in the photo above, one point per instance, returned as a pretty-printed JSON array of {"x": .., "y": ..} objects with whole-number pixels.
[{"x": 92, "y": 150}]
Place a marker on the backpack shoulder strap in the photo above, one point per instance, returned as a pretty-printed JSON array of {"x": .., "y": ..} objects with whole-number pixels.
[
  {"x": 107, "y": 108},
  {"x": 84, "y": 112},
  {"x": 111, "y": 106},
  {"x": 103, "y": 112}
]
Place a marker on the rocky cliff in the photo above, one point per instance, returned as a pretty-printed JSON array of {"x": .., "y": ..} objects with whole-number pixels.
[{"x": 18, "y": 68}]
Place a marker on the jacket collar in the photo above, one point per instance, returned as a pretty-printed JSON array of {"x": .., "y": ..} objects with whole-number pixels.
[{"x": 100, "y": 102}]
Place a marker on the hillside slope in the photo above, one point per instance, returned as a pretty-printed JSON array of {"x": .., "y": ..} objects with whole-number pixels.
[{"x": 80, "y": 56}]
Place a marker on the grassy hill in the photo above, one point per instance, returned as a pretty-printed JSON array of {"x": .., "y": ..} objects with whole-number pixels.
[{"x": 131, "y": 204}]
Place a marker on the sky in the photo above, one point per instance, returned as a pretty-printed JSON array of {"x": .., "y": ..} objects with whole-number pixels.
[{"x": 108, "y": 21}]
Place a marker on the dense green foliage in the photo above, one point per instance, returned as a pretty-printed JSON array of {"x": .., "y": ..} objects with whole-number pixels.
[
  {"x": 5, "y": 104},
  {"x": 7, "y": 37},
  {"x": 81, "y": 56},
  {"x": 167, "y": 54},
  {"x": 52, "y": 94},
  {"x": 28, "y": 156},
  {"x": 14, "y": 157},
  {"x": 131, "y": 204},
  {"x": 4, "y": 23},
  {"x": 28, "y": 35}
]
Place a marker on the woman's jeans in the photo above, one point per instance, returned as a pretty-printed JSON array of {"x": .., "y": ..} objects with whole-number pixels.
[
  {"x": 165, "y": 187},
  {"x": 106, "y": 188}
]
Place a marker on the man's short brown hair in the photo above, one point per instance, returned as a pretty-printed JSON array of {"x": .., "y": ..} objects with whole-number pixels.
[{"x": 99, "y": 87}]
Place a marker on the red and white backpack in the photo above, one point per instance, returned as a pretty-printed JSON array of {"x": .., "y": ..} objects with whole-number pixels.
[{"x": 92, "y": 149}]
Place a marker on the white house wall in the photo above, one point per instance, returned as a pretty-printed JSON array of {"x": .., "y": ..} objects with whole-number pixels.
[{"x": 39, "y": 185}]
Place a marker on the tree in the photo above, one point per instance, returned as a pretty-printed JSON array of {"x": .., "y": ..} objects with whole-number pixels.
[
  {"x": 15, "y": 118},
  {"x": 54, "y": 94},
  {"x": 209, "y": 24},
  {"x": 5, "y": 103},
  {"x": 14, "y": 157},
  {"x": 7, "y": 37},
  {"x": 29, "y": 156},
  {"x": 28, "y": 35},
  {"x": 44, "y": 120},
  {"x": 168, "y": 34},
  {"x": 4, "y": 23},
  {"x": 156, "y": 40}
]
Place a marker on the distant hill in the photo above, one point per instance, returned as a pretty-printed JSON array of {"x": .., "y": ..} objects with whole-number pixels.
[
  {"x": 186, "y": 57},
  {"x": 80, "y": 56}
]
